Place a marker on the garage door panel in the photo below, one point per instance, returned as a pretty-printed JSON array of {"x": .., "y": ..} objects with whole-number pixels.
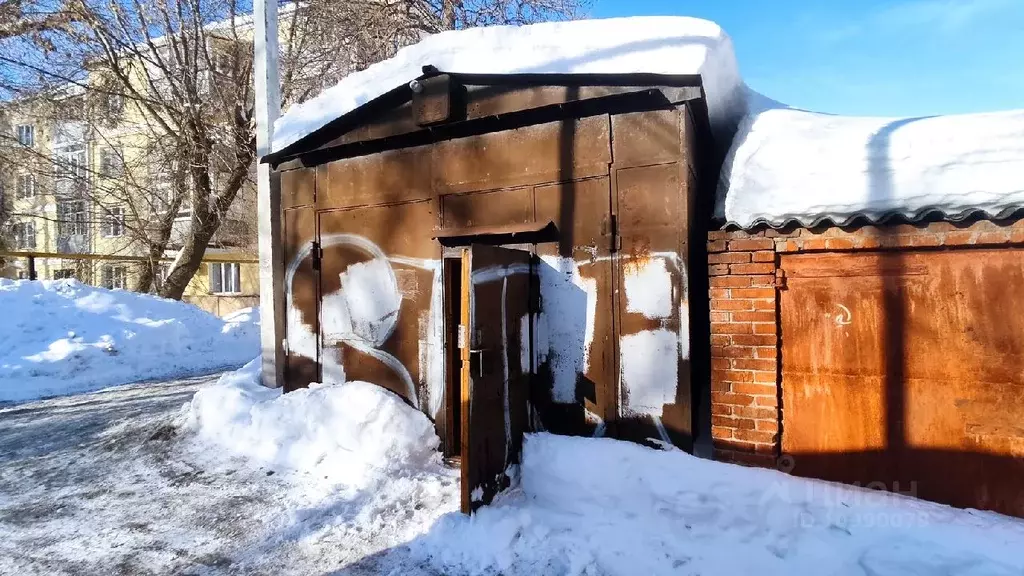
[
  {"x": 836, "y": 413},
  {"x": 913, "y": 372},
  {"x": 957, "y": 313}
]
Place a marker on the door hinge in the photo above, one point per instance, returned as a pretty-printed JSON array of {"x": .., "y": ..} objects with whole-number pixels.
[
  {"x": 610, "y": 229},
  {"x": 318, "y": 254}
]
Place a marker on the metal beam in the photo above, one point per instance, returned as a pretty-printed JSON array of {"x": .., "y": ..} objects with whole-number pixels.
[
  {"x": 268, "y": 107},
  {"x": 208, "y": 257}
]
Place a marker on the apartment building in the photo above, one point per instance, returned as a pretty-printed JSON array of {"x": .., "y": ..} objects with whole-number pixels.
[{"x": 81, "y": 178}]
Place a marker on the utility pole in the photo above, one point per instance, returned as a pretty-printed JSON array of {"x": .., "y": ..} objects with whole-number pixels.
[{"x": 268, "y": 107}]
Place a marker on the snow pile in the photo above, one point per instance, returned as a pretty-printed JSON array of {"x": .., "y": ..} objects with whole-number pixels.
[
  {"x": 64, "y": 337},
  {"x": 791, "y": 164},
  {"x": 351, "y": 433},
  {"x": 653, "y": 45},
  {"x": 601, "y": 506}
]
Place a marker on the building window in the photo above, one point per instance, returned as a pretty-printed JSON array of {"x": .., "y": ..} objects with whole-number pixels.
[
  {"x": 115, "y": 104},
  {"x": 160, "y": 275},
  {"x": 27, "y": 135},
  {"x": 114, "y": 277},
  {"x": 71, "y": 163},
  {"x": 111, "y": 163},
  {"x": 26, "y": 185},
  {"x": 113, "y": 223},
  {"x": 225, "y": 278},
  {"x": 24, "y": 235},
  {"x": 163, "y": 178},
  {"x": 72, "y": 218},
  {"x": 63, "y": 274}
]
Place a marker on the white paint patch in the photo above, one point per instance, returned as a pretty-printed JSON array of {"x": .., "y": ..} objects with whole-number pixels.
[
  {"x": 524, "y": 343},
  {"x": 303, "y": 342},
  {"x": 684, "y": 329},
  {"x": 568, "y": 307},
  {"x": 497, "y": 272},
  {"x": 435, "y": 364},
  {"x": 649, "y": 289},
  {"x": 366, "y": 308},
  {"x": 650, "y": 363}
]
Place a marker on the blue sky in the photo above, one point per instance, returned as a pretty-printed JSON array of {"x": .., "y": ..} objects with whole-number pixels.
[{"x": 868, "y": 57}]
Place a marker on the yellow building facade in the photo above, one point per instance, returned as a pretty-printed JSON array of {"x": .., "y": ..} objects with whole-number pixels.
[{"x": 74, "y": 192}]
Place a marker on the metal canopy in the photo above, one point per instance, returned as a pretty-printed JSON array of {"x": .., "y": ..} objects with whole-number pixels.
[
  {"x": 672, "y": 89},
  {"x": 532, "y": 231}
]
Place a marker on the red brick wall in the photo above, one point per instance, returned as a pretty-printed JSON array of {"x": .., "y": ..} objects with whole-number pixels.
[
  {"x": 744, "y": 389},
  {"x": 746, "y": 417}
]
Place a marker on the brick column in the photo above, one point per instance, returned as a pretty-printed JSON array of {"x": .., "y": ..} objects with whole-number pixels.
[{"x": 744, "y": 348}]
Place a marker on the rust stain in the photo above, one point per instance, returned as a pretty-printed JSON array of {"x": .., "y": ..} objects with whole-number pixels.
[{"x": 639, "y": 255}]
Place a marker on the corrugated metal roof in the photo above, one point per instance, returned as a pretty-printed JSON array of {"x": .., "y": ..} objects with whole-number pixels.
[{"x": 928, "y": 214}]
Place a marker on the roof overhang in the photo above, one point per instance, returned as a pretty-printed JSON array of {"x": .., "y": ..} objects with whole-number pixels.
[{"x": 474, "y": 96}]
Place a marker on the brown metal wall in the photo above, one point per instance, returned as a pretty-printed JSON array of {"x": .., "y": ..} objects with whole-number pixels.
[
  {"x": 585, "y": 175},
  {"x": 906, "y": 369}
]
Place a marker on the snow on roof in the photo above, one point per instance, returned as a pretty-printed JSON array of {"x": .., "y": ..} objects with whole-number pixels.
[
  {"x": 788, "y": 164},
  {"x": 652, "y": 45},
  {"x": 784, "y": 164}
]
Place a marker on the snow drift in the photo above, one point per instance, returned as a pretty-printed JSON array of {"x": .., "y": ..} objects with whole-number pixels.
[
  {"x": 653, "y": 45},
  {"x": 788, "y": 164},
  {"x": 584, "y": 505},
  {"x": 351, "y": 433},
  {"x": 63, "y": 337},
  {"x": 602, "y": 506}
]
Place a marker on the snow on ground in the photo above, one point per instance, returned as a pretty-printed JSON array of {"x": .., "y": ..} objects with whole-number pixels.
[
  {"x": 115, "y": 482},
  {"x": 351, "y": 434},
  {"x": 793, "y": 164},
  {"x": 62, "y": 337},
  {"x": 654, "y": 45},
  {"x": 142, "y": 479},
  {"x": 601, "y": 506}
]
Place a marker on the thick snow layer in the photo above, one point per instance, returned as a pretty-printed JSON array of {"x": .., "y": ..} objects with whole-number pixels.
[
  {"x": 654, "y": 45},
  {"x": 349, "y": 433},
  {"x": 600, "y": 506},
  {"x": 64, "y": 337},
  {"x": 128, "y": 481},
  {"x": 791, "y": 164}
]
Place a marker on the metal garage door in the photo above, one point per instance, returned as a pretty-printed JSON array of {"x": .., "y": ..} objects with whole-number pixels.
[{"x": 906, "y": 370}]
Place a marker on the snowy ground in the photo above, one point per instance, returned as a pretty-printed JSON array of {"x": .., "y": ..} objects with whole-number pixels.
[
  {"x": 135, "y": 480},
  {"x": 104, "y": 483},
  {"x": 64, "y": 337}
]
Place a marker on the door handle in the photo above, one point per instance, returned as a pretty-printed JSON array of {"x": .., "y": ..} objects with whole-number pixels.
[{"x": 479, "y": 355}]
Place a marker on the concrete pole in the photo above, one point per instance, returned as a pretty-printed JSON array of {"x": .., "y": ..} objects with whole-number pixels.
[{"x": 268, "y": 107}]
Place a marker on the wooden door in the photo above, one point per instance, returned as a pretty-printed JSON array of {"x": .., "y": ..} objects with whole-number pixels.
[{"x": 496, "y": 362}]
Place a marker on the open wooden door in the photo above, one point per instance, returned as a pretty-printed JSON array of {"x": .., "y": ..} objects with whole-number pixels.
[{"x": 497, "y": 291}]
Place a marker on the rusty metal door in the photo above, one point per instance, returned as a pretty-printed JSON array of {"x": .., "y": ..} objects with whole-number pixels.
[
  {"x": 496, "y": 293},
  {"x": 378, "y": 281},
  {"x": 905, "y": 371},
  {"x": 653, "y": 305}
]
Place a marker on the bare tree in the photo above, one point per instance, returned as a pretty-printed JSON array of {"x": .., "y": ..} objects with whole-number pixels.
[
  {"x": 23, "y": 17},
  {"x": 176, "y": 75}
]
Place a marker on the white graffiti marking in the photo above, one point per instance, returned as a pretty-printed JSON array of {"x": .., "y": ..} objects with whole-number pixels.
[
  {"x": 364, "y": 313},
  {"x": 504, "y": 368},
  {"x": 845, "y": 318}
]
